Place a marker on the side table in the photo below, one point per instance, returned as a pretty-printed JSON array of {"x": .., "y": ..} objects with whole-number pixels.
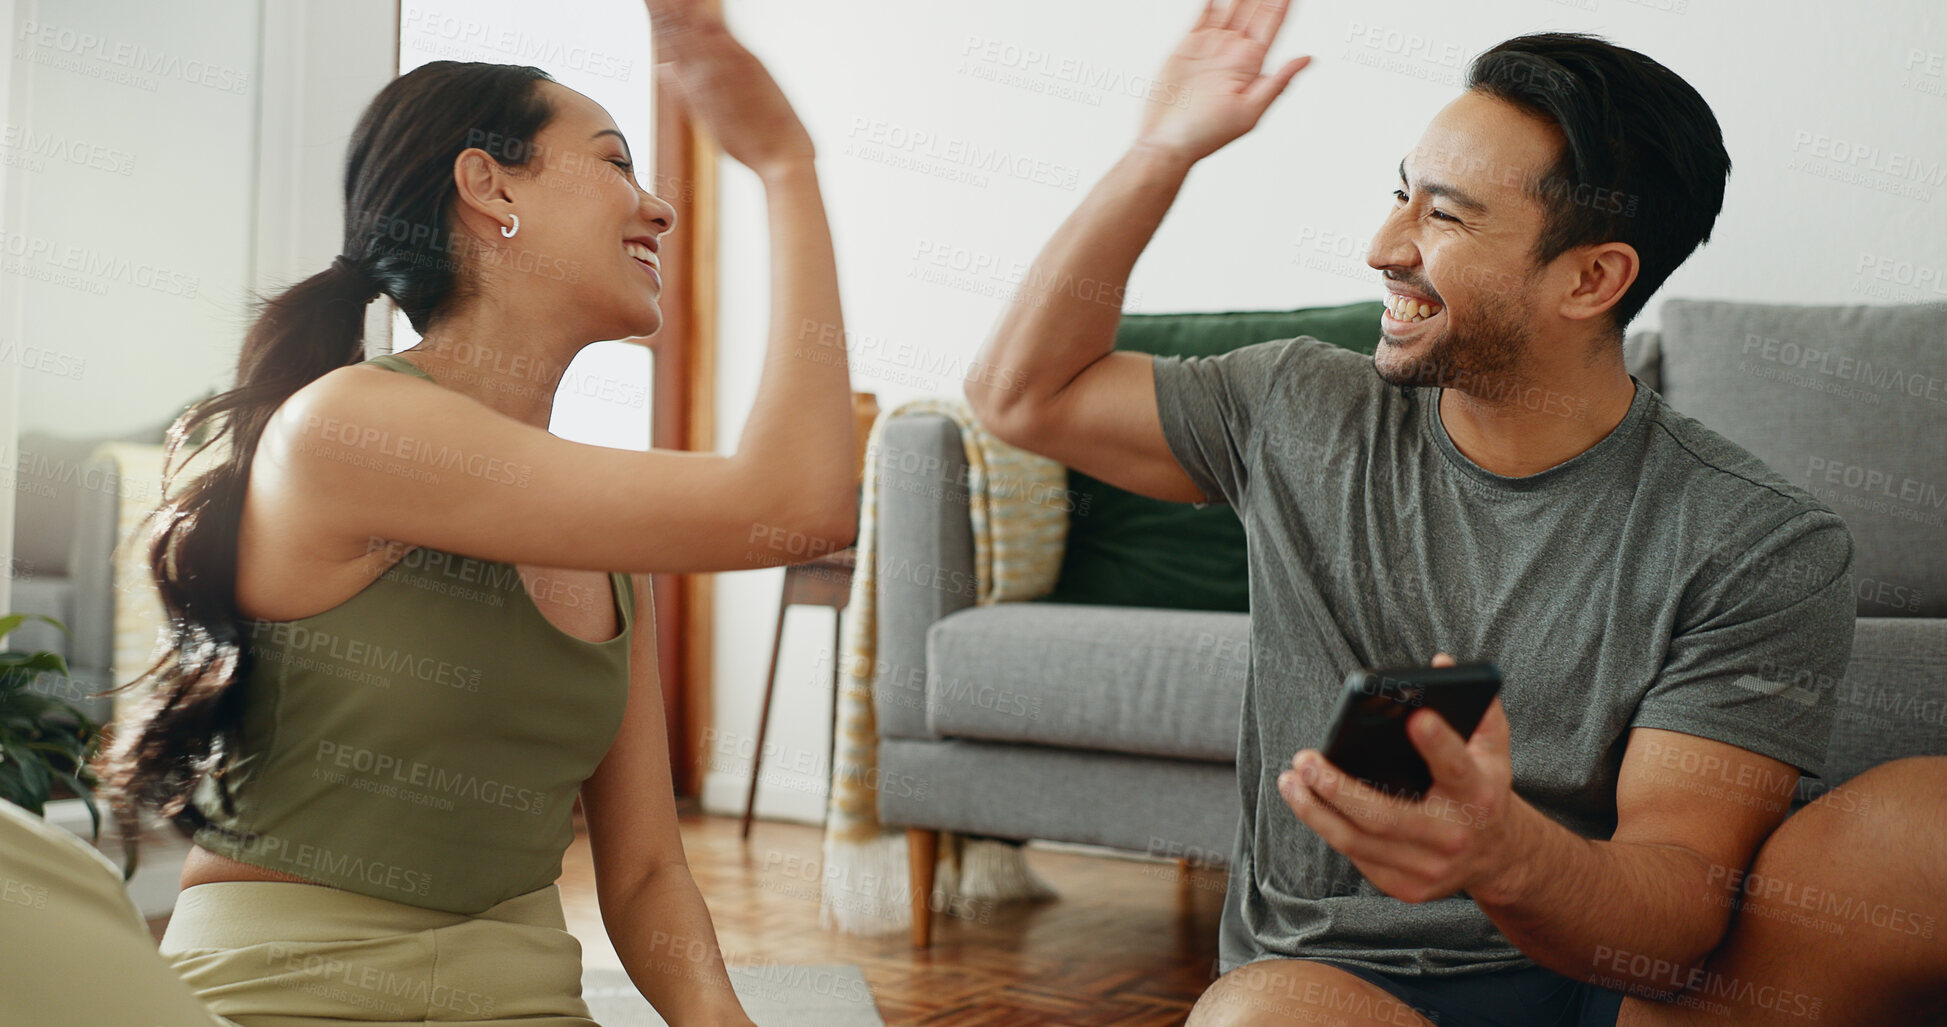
[{"x": 826, "y": 581}]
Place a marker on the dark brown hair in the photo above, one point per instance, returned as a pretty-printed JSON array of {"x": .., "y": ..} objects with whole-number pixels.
[
  {"x": 1642, "y": 162},
  {"x": 399, "y": 240}
]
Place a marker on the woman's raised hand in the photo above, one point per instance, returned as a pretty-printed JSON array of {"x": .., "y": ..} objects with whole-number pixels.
[
  {"x": 726, "y": 87},
  {"x": 1216, "y": 79}
]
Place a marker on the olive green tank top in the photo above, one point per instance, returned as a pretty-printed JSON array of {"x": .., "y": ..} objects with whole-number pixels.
[{"x": 423, "y": 741}]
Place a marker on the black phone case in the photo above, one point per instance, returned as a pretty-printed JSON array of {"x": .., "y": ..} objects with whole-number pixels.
[{"x": 1367, "y": 736}]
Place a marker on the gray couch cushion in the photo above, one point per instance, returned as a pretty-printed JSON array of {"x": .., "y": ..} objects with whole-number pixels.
[
  {"x": 44, "y": 498},
  {"x": 1850, "y": 402},
  {"x": 1643, "y": 357},
  {"x": 1118, "y": 679},
  {"x": 925, "y": 562},
  {"x": 1893, "y": 701},
  {"x": 53, "y": 471},
  {"x": 1172, "y": 809}
]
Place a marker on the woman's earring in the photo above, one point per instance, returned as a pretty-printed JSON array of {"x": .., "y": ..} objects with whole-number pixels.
[{"x": 508, "y": 232}]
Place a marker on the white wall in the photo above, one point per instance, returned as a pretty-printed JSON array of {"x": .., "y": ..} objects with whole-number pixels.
[
  {"x": 163, "y": 167},
  {"x": 142, "y": 211},
  {"x": 137, "y": 155},
  {"x": 898, "y": 96},
  {"x": 124, "y": 243},
  {"x": 9, "y": 328},
  {"x": 135, "y": 255},
  {"x": 323, "y": 62}
]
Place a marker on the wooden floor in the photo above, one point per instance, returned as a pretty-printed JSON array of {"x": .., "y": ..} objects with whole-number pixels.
[{"x": 1126, "y": 943}]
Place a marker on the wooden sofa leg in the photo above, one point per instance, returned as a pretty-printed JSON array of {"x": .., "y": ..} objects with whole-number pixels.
[{"x": 922, "y": 850}]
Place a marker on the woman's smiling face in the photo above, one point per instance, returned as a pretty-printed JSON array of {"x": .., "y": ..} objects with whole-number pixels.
[{"x": 586, "y": 225}]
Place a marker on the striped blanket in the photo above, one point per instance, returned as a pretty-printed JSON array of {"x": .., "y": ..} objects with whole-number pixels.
[{"x": 1017, "y": 555}]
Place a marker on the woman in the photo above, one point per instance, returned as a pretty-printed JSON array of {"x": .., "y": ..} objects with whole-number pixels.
[{"x": 412, "y": 625}]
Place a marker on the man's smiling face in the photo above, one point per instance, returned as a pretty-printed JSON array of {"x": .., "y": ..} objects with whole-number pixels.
[{"x": 1460, "y": 241}]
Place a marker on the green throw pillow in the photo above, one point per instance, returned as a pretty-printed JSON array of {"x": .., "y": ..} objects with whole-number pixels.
[{"x": 1130, "y": 550}]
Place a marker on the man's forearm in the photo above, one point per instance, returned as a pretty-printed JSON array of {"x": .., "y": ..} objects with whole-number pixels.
[
  {"x": 1051, "y": 333},
  {"x": 1638, "y": 916}
]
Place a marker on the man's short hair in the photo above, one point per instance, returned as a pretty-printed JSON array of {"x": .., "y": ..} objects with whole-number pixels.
[{"x": 1642, "y": 162}]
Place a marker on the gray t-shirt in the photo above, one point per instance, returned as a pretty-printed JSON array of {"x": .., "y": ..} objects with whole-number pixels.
[{"x": 1664, "y": 578}]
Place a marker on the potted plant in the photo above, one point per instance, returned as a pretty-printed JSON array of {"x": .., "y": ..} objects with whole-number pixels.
[{"x": 44, "y": 740}]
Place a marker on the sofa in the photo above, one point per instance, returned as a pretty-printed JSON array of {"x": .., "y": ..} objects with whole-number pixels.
[
  {"x": 1120, "y": 722},
  {"x": 70, "y": 500}
]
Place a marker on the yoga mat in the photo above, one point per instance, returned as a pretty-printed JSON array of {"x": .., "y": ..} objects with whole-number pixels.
[{"x": 775, "y": 995}]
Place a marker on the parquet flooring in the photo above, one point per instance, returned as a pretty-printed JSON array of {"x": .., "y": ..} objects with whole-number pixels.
[{"x": 1125, "y": 943}]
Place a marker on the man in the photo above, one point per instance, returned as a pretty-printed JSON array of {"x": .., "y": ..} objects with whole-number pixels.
[{"x": 1493, "y": 483}]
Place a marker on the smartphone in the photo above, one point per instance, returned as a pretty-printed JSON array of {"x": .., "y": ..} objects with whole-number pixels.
[{"x": 1367, "y": 736}]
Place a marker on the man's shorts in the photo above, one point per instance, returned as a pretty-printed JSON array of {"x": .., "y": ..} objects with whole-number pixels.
[{"x": 1530, "y": 997}]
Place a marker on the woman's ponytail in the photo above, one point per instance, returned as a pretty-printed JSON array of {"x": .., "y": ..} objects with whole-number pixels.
[
  {"x": 185, "y": 722},
  {"x": 398, "y": 187}
]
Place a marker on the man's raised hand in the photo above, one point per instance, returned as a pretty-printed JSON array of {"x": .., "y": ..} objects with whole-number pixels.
[{"x": 1216, "y": 79}]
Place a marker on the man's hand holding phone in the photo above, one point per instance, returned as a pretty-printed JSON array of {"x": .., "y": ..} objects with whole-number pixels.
[{"x": 1468, "y": 832}]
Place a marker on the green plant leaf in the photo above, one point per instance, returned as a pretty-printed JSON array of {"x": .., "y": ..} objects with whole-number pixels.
[
  {"x": 29, "y": 711},
  {"x": 45, "y": 660},
  {"x": 44, "y": 739},
  {"x": 58, "y": 753},
  {"x": 35, "y": 784},
  {"x": 29, "y": 707},
  {"x": 131, "y": 854},
  {"x": 87, "y": 797},
  {"x": 13, "y": 620},
  {"x": 11, "y": 788}
]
